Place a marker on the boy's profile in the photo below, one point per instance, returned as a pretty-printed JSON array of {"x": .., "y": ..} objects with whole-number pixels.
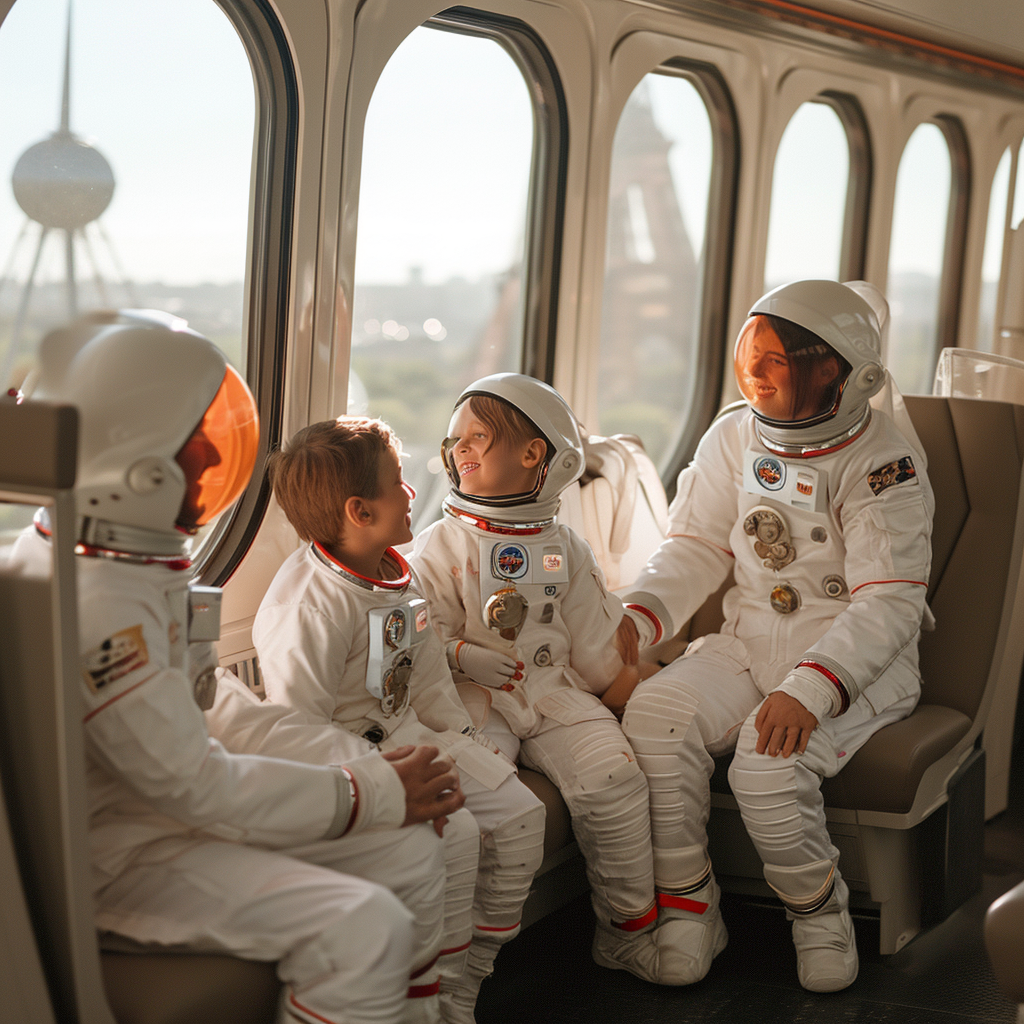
[{"x": 343, "y": 636}]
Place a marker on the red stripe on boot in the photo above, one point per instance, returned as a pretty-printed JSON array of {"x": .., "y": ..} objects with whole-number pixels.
[
  {"x": 636, "y": 923},
  {"x": 666, "y": 899}
]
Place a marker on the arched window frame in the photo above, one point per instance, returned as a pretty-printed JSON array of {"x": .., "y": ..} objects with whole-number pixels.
[
  {"x": 853, "y": 252},
  {"x": 272, "y": 195},
  {"x": 953, "y": 264}
]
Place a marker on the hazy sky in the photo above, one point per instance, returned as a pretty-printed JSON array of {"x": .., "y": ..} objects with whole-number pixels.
[{"x": 165, "y": 92}]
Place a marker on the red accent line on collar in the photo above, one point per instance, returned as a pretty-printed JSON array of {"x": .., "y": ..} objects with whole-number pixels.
[
  {"x": 780, "y": 453},
  {"x": 489, "y": 526},
  {"x": 173, "y": 562},
  {"x": 400, "y": 584}
]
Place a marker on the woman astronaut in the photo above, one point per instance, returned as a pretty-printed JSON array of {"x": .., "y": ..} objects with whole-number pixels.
[{"x": 815, "y": 496}]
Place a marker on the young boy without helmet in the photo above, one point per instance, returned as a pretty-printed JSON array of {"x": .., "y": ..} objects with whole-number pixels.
[{"x": 344, "y": 638}]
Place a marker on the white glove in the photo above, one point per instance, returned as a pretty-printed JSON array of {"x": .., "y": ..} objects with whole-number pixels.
[{"x": 484, "y": 666}]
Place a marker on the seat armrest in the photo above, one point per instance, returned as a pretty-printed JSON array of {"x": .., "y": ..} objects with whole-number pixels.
[{"x": 885, "y": 773}]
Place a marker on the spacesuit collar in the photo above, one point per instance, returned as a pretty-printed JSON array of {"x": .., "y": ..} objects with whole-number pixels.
[
  {"x": 100, "y": 539},
  {"x": 393, "y": 560},
  {"x": 486, "y": 520},
  {"x": 796, "y": 444}
]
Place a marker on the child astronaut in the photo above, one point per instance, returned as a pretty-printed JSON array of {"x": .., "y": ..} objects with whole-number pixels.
[
  {"x": 168, "y": 438},
  {"x": 344, "y": 637},
  {"x": 815, "y": 496},
  {"x": 530, "y": 633}
]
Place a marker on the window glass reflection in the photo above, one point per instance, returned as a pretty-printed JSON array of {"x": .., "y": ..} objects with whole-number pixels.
[
  {"x": 445, "y": 178},
  {"x": 809, "y": 185},
  {"x": 916, "y": 257},
  {"x": 654, "y": 264},
  {"x": 127, "y": 141},
  {"x": 992, "y": 261}
]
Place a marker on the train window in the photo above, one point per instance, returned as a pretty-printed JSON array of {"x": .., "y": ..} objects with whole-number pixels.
[
  {"x": 660, "y": 184},
  {"x": 992, "y": 260},
  {"x": 129, "y": 150},
  {"x": 916, "y": 256},
  {"x": 443, "y": 218},
  {"x": 808, "y": 205}
]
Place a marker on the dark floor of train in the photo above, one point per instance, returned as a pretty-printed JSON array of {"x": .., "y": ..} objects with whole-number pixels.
[{"x": 941, "y": 977}]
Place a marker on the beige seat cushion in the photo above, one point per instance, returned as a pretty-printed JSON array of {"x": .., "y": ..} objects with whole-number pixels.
[{"x": 189, "y": 988}]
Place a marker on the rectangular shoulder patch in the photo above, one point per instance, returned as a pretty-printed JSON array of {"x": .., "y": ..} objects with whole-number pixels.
[
  {"x": 116, "y": 657},
  {"x": 898, "y": 472}
]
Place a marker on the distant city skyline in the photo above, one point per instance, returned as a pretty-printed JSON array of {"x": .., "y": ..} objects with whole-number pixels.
[{"x": 165, "y": 93}]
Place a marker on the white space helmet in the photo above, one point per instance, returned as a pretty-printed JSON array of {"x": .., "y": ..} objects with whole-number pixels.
[
  {"x": 144, "y": 385},
  {"x": 555, "y": 422},
  {"x": 833, "y": 361}
]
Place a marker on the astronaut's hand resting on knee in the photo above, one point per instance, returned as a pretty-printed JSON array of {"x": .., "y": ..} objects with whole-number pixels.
[
  {"x": 783, "y": 725},
  {"x": 432, "y": 789}
]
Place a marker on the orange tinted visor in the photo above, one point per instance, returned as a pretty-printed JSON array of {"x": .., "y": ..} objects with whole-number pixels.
[{"x": 219, "y": 457}]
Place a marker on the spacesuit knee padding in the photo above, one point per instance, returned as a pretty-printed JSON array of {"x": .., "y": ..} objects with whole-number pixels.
[
  {"x": 661, "y": 711},
  {"x": 606, "y": 768},
  {"x": 509, "y": 858},
  {"x": 461, "y": 864}
]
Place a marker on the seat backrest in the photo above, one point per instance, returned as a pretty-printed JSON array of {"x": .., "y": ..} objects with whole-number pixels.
[
  {"x": 41, "y": 748},
  {"x": 619, "y": 506},
  {"x": 964, "y": 373},
  {"x": 975, "y": 454}
]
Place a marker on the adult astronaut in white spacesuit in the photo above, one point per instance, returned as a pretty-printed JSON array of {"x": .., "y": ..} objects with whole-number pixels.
[
  {"x": 530, "y": 632},
  {"x": 816, "y": 497},
  {"x": 192, "y": 846}
]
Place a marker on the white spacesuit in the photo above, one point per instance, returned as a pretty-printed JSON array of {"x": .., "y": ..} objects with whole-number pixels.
[
  {"x": 522, "y": 608},
  {"x": 360, "y": 653},
  {"x": 819, "y": 504},
  {"x": 192, "y": 846}
]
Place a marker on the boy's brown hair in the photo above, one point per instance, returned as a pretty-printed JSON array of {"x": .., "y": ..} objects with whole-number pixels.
[
  {"x": 324, "y": 465},
  {"x": 504, "y": 421}
]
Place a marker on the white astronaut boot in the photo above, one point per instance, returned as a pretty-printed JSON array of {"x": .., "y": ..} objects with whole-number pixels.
[
  {"x": 690, "y": 932},
  {"x": 458, "y": 997},
  {"x": 826, "y": 947},
  {"x": 628, "y": 945}
]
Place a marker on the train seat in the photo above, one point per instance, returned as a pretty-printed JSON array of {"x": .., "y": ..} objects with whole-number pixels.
[
  {"x": 964, "y": 373},
  {"x": 618, "y": 505}
]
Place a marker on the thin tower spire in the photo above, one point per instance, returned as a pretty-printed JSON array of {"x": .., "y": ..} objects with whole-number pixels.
[{"x": 65, "y": 107}]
